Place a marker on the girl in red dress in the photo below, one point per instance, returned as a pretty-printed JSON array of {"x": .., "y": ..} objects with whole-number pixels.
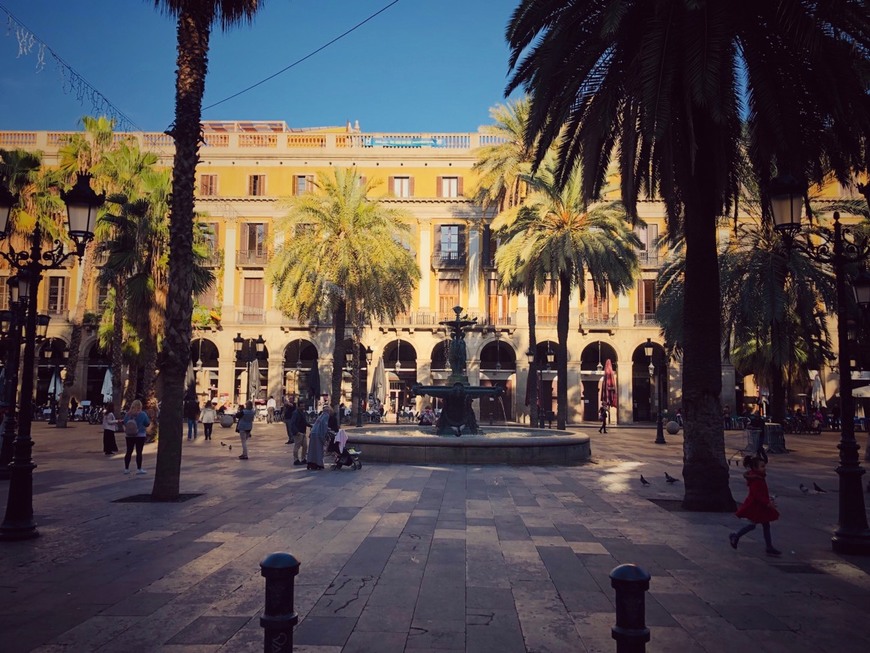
[{"x": 758, "y": 507}]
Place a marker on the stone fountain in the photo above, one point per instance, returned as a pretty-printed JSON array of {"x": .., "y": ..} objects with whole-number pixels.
[{"x": 457, "y": 414}]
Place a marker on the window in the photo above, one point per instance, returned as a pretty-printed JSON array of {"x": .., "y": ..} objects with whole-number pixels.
[
  {"x": 646, "y": 296},
  {"x": 449, "y": 241},
  {"x": 253, "y": 249},
  {"x": 303, "y": 184},
  {"x": 401, "y": 186},
  {"x": 597, "y": 307},
  {"x": 4, "y": 293},
  {"x": 648, "y": 252},
  {"x": 257, "y": 185},
  {"x": 57, "y": 301},
  {"x": 497, "y": 303},
  {"x": 102, "y": 294},
  {"x": 547, "y": 303},
  {"x": 448, "y": 297},
  {"x": 208, "y": 298},
  {"x": 489, "y": 245},
  {"x": 449, "y": 186},
  {"x": 252, "y": 300},
  {"x": 207, "y": 185}
]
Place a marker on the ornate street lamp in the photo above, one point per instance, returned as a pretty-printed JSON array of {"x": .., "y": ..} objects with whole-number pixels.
[
  {"x": 838, "y": 248},
  {"x": 649, "y": 350},
  {"x": 82, "y": 206},
  {"x": 368, "y": 353},
  {"x": 247, "y": 350}
]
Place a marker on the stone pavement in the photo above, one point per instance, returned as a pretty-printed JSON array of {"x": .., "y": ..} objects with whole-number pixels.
[{"x": 421, "y": 558}]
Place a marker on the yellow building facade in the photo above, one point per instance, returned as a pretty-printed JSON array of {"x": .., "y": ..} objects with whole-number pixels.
[{"x": 246, "y": 172}]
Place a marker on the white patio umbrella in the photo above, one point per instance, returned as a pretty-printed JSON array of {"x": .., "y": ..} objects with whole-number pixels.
[
  {"x": 254, "y": 381},
  {"x": 379, "y": 381},
  {"x": 818, "y": 394},
  {"x": 106, "y": 390}
]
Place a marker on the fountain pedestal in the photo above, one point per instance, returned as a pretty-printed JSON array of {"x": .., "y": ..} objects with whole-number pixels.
[{"x": 457, "y": 414}]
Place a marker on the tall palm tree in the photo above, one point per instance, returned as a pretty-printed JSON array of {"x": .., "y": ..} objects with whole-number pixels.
[
  {"x": 666, "y": 82},
  {"x": 342, "y": 256},
  {"x": 501, "y": 166},
  {"x": 771, "y": 296},
  {"x": 195, "y": 20},
  {"x": 557, "y": 237},
  {"x": 83, "y": 153}
]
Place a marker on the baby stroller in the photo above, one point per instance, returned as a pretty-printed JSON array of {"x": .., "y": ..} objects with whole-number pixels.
[{"x": 344, "y": 456}]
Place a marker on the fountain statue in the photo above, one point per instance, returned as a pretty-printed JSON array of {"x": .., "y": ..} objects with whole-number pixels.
[{"x": 457, "y": 415}]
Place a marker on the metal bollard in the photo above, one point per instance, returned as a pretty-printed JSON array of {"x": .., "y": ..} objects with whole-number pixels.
[
  {"x": 279, "y": 617},
  {"x": 630, "y": 631}
]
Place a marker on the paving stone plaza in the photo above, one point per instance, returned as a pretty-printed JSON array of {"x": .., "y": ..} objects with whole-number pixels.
[{"x": 422, "y": 558}]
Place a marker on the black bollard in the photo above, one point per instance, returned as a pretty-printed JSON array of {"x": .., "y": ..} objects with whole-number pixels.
[
  {"x": 630, "y": 631},
  {"x": 279, "y": 617}
]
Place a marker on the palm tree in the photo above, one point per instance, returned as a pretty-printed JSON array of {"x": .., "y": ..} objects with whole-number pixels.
[
  {"x": 557, "y": 237},
  {"x": 771, "y": 296},
  {"x": 195, "y": 19},
  {"x": 667, "y": 82},
  {"x": 501, "y": 166},
  {"x": 342, "y": 257},
  {"x": 83, "y": 153}
]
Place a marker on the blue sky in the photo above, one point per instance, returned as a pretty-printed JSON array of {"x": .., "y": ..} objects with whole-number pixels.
[{"x": 418, "y": 66}]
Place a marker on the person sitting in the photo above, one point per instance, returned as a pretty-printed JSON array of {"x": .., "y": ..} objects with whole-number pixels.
[{"x": 427, "y": 417}]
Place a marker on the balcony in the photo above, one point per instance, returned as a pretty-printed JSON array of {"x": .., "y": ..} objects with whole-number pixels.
[
  {"x": 448, "y": 260},
  {"x": 498, "y": 320},
  {"x": 597, "y": 320},
  {"x": 214, "y": 259},
  {"x": 645, "y": 319},
  {"x": 648, "y": 258},
  {"x": 416, "y": 318},
  {"x": 252, "y": 315},
  {"x": 252, "y": 258}
]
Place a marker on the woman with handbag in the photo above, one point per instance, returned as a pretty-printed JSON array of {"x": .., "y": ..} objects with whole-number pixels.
[{"x": 246, "y": 423}]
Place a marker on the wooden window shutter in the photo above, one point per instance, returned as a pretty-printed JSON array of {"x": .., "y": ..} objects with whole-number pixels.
[
  {"x": 439, "y": 186},
  {"x": 486, "y": 235},
  {"x": 391, "y": 186},
  {"x": 410, "y": 186},
  {"x": 438, "y": 239},
  {"x": 459, "y": 186},
  {"x": 461, "y": 240}
]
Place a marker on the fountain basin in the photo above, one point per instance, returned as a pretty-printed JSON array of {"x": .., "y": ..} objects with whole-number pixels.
[{"x": 500, "y": 445}]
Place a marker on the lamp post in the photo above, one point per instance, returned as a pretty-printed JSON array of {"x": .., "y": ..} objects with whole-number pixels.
[
  {"x": 838, "y": 248},
  {"x": 55, "y": 357},
  {"x": 649, "y": 350},
  {"x": 551, "y": 356},
  {"x": 247, "y": 350},
  {"x": 369, "y": 353},
  {"x": 82, "y": 204}
]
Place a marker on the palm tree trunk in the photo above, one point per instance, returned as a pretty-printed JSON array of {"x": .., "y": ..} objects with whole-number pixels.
[
  {"x": 339, "y": 323},
  {"x": 89, "y": 271},
  {"x": 705, "y": 470},
  {"x": 194, "y": 30},
  {"x": 533, "y": 391},
  {"x": 118, "y": 347},
  {"x": 562, "y": 360}
]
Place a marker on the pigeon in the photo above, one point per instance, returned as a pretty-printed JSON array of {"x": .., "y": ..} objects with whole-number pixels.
[
  {"x": 804, "y": 488},
  {"x": 223, "y": 444},
  {"x": 817, "y": 488},
  {"x": 671, "y": 479},
  {"x": 643, "y": 480},
  {"x": 231, "y": 447}
]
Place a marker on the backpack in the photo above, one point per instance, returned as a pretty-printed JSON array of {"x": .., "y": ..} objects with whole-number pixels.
[{"x": 131, "y": 427}]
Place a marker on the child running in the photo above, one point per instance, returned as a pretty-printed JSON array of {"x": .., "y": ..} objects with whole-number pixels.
[{"x": 758, "y": 507}]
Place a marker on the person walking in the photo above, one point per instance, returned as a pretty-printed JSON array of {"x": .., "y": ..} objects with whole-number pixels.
[
  {"x": 298, "y": 427},
  {"x": 246, "y": 423},
  {"x": 208, "y": 417},
  {"x": 271, "y": 405},
  {"x": 191, "y": 412},
  {"x": 287, "y": 416},
  {"x": 135, "y": 422},
  {"x": 110, "y": 425},
  {"x": 758, "y": 507},
  {"x": 318, "y": 439},
  {"x": 602, "y": 415}
]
